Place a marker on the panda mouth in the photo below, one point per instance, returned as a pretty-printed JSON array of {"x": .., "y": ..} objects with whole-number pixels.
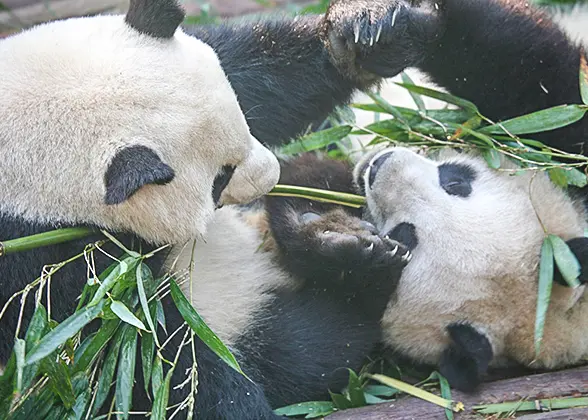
[
  {"x": 220, "y": 183},
  {"x": 370, "y": 168}
]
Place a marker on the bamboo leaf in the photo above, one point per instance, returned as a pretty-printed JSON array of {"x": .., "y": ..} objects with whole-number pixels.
[
  {"x": 576, "y": 177},
  {"x": 584, "y": 79},
  {"x": 389, "y": 109},
  {"x": 156, "y": 375},
  {"x": 161, "y": 398},
  {"x": 19, "y": 351},
  {"x": 310, "y": 408},
  {"x": 544, "y": 290},
  {"x": 492, "y": 158},
  {"x": 126, "y": 372},
  {"x": 558, "y": 177},
  {"x": 108, "y": 367},
  {"x": 59, "y": 380},
  {"x": 200, "y": 328},
  {"x": 63, "y": 332},
  {"x": 340, "y": 401},
  {"x": 566, "y": 261},
  {"x": 317, "y": 140},
  {"x": 126, "y": 315},
  {"x": 515, "y": 406},
  {"x": 536, "y": 122},
  {"x": 110, "y": 280},
  {"x": 96, "y": 345},
  {"x": 144, "y": 303},
  {"x": 380, "y": 390},
  {"x": 445, "y": 392},
  {"x": 81, "y": 387},
  {"x": 418, "y": 100},
  {"x": 355, "y": 390},
  {"x": 442, "y": 96},
  {"x": 37, "y": 328},
  {"x": 161, "y": 315}
]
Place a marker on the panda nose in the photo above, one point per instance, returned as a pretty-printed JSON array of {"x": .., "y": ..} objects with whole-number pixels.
[{"x": 375, "y": 166}]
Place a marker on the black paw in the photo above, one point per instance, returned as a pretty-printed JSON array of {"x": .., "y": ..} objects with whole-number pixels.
[
  {"x": 349, "y": 245},
  {"x": 380, "y": 36}
]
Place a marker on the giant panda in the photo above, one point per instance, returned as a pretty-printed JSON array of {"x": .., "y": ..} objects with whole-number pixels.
[
  {"x": 136, "y": 126},
  {"x": 466, "y": 301}
]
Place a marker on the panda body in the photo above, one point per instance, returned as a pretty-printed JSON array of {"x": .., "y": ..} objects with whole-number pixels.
[
  {"x": 136, "y": 126},
  {"x": 478, "y": 261}
]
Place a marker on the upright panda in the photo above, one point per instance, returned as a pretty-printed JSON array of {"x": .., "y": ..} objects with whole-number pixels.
[
  {"x": 129, "y": 124},
  {"x": 467, "y": 299}
]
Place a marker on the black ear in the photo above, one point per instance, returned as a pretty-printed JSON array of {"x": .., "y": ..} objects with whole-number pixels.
[
  {"x": 467, "y": 358},
  {"x": 130, "y": 169},
  {"x": 156, "y": 18},
  {"x": 579, "y": 247}
]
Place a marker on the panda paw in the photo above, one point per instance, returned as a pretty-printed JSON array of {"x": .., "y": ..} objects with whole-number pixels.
[
  {"x": 350, "y": 246},
  {"x": 381, "y": 37}
]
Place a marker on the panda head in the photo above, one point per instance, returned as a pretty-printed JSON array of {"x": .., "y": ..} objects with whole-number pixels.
[
  {"x": 124, "y": 122},
  {"x": 476, "y": 235}
]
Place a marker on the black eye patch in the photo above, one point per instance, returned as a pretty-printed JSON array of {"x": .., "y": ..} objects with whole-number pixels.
[{"x": 456, "y": 179}]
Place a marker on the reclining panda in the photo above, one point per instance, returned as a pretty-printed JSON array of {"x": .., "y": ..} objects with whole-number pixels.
[
  {"x": 467, "y": 299},
  {"x": 129, "y": 124}
]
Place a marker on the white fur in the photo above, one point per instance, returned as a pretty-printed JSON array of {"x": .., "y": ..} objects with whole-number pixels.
[
  {"x": 574, "y": 22},
  {"x": 74, "y": 92},
  {"x": 231, "y": 274},
  {"x": 477, "y": 258}
]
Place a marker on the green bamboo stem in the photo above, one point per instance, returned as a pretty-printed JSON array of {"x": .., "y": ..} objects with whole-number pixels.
[
  {"x": 344, "y": 199},
  {"x": 59, "y": 236},
  {"x": 39, "y": 240}
]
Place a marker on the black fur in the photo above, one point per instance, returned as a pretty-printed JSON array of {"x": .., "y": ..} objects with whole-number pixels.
[
  {"x": 221, "y": 181},
  {"x": 467, "y": 357},
  {"x": 506, "y": 57},
  {"x": 156, "y": 18},
  {"x": 132, "y": 168},
  {"x": 579, "y": 246}
]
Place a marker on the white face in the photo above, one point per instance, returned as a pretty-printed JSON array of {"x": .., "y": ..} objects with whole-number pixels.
[
  {"x": 477, "y": 229},
  {"x": 77, "y": 92}
]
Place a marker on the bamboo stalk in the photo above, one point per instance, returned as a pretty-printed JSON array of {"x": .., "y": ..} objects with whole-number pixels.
[{"x": 39, "y": 240}]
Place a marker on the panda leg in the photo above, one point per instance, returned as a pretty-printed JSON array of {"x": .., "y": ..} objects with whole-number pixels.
[
  {"x": 467, "y": 358},
  {"x": 579, "y": 246}
]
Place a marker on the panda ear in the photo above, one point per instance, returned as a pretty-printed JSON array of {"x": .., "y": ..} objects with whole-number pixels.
[
  {"x": 467, "y": 358},
  {"x": 156, "y": 18},
  {"x": 579, "y": 246},
  {"x": 130, "y": 169}
]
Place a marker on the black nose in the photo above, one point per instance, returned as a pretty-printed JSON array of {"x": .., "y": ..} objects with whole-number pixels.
[{"x": 376, "y": 165}]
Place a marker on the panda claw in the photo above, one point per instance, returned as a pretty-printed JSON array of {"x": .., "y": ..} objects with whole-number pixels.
[
  {"x": 394, "y": 251},
  {"x": 370, "y": 248},
  {"x": 394, "y": 14},
  {"x": 406, "y": 257},
  {"x": 379, "y": 33},
  {"x": 356, "y": 31}
]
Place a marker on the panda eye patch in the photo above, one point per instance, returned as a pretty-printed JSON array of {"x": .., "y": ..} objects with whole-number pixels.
[{"x": 456, "y": 179}]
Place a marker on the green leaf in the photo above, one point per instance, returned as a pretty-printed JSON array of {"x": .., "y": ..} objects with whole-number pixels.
[
  {"x": 389, "y": 109},
  {"x": 37, "y": 328},
  {"x": 109, "y": 366},
  {"x": 492, "y": 158},
  {"x": 584, "y": 79},
  {"x": 355, "y": 390},
  {"x": 418, "y": 100},
  {"x": 161, "y": 398},
  {"x": 576, "y": 177},
  {"x": 59, "y": 380},
  {"x": 310, "y": 408},
  {"x": 132, "y": 254},
  {"x": 317, "y": 140},
  {"x": 442, "y": 96},
  {"x": 536, "y": 122},
  {"x": 200, "y": 328},
  {"x": 161, "y": 315},
  {"x": 372, "y": 399},
  {"x": 126, "y": 315},
  {"x": 380, "y": 390},
  {"x": 445, "y": 392},
  {"x": 83, "y": 393},
  {"x": 566, "y": 261},
  {"x": 126, "y": 372},
  {"x": 156, "y": 375},
  {"x": 558, "y": 177},
  {"x": 62, "y": 332},
  {"x": 96, "y": 345},
  {"x": 110, "y": 280},
  {"x": 143, "y": 300},
  {"x": 340, "y": 401},
  {"x": 544, "y": 292}
]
